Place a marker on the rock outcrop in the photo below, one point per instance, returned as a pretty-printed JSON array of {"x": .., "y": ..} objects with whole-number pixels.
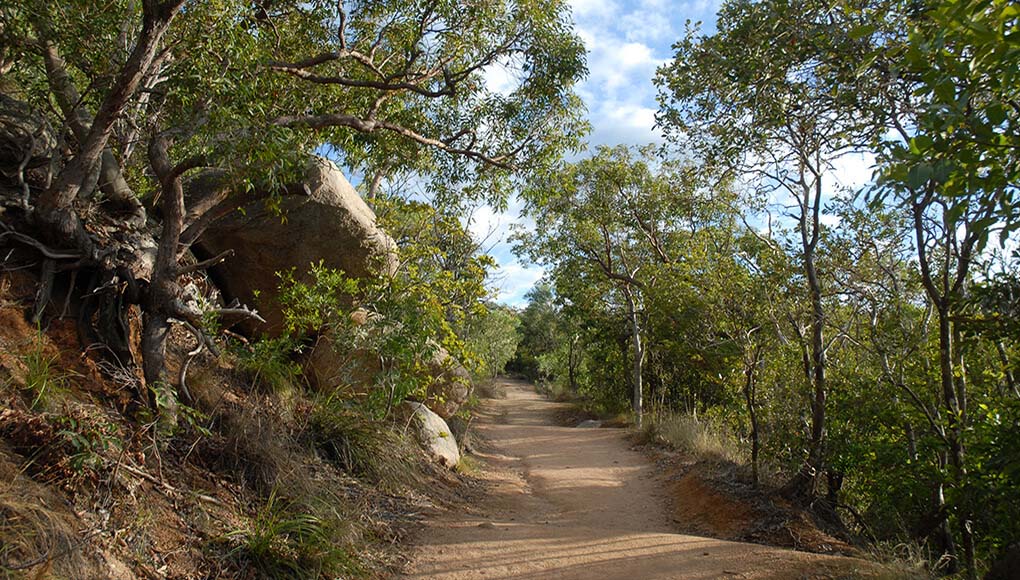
[
  {"x": 329, "y": 223},
  {"x": 435, "y": 435}
]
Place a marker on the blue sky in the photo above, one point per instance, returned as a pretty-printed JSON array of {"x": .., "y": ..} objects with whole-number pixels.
[{"x": 626, "y": 41}]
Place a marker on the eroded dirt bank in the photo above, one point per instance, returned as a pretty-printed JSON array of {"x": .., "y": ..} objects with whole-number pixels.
[{"x": 579, "y": 503}]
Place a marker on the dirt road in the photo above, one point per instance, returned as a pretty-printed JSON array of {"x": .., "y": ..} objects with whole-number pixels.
[{"x": 579, "y": 503}]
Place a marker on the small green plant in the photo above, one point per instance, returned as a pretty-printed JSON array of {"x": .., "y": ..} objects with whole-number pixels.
[
  {"x": 43, "y": 377},
  {"x": 288, "y": 539},
  {"x": 268, "y": 363},
  {"x": 89, "y": 441}
]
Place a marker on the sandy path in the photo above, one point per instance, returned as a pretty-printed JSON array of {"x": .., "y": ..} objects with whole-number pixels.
[{"x": 578, "y": 503}]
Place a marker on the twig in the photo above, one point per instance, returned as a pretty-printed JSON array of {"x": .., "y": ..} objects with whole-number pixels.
[
  {"x": 169, "y": 488},
  {"x": 205, "y": 263},
  {"x": 182, "y": 378},
  {"x": 241, "y": 311}
]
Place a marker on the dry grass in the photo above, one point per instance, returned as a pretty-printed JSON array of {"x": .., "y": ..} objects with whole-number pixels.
[
  {"x": 38, "y": 534},
  {"x": 258, "y": 449},
  {"x": 696, "y": 436},
  {"x": 492, "y": 389}
]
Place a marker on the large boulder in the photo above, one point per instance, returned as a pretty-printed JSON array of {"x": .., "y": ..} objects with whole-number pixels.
[
  {"x": 435, "y": 435},
  {"x": 328, "y": 223}
]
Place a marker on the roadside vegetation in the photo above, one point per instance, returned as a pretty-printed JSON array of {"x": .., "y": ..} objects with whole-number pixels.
[
  {"x": 724, "y": 291},
  {"x": 856, "y": 343}
]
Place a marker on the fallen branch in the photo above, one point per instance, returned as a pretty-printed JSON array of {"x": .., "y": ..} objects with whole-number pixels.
[{"x": 240, "y": 311}]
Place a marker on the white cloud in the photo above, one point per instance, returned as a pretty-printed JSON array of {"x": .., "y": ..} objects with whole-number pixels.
[
  {"x": 587, "y": 9},
  {"x": 853, "y": 170},
  {"x": 499, "y": 78},
  {"x": 513, "y": 281}
]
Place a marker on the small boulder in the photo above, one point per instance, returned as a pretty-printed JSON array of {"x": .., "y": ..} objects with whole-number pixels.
[
  {"x": 589, "y": 424},
  {"x": 434, "y": 435}
]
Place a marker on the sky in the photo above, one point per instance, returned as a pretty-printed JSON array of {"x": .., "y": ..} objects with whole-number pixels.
[{"x": 626, "y": 41}]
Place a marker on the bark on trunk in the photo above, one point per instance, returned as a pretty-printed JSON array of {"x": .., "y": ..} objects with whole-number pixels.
[
  {"x": 635, "y": 330},
  {"x": 750, "y": 397}
]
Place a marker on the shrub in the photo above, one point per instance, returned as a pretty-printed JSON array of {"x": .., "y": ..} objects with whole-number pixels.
[{"x": 268, "y": 364}]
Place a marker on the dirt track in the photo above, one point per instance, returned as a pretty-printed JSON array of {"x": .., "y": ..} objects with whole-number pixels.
[{"x": 579, "y": 503}]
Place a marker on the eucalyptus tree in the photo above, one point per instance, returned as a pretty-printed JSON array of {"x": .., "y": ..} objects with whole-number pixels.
[
  {"x": 948, "y": 90},
  {"x": 229, "y": 99},
  {"x": 601, "y": 218},
  {"x": 756, "y": 99}
]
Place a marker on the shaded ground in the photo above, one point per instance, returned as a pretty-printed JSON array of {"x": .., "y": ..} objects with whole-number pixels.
[{"x": 578, "y": 503}]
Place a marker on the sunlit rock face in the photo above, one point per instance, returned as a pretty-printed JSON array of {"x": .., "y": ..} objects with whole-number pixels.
[{"x": 435, "y": 435}]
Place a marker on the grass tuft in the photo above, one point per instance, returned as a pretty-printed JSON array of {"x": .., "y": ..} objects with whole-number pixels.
[
  {"x": 362, "y": 447},
  {"x": 292, "y": 539},
  {"x": 43, "y": 377},
  {"x": 696, "y": 436}
]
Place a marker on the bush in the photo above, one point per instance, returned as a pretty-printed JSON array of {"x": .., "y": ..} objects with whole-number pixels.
[{"x": 268, "y": 364}]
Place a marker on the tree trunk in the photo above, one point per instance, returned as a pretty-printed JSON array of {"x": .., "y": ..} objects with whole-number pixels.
[
  {"x": 816, "y": 451},
  {"x": 956, "y": 405},
  {"x": 635, "y": 330},
  {"x": 750, "y": 396},
  {"x": 572, "y": 365}
]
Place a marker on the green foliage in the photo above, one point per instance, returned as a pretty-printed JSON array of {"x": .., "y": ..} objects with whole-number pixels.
[
  {"x": 269, "y": 363},
  {"x": 362, "y": 446},
  {"x": 236, "y": 93},
  {"x": 292, "y": 539},
  {"x": 537, "y": 333},
  {"x": 492, "y": 336}
]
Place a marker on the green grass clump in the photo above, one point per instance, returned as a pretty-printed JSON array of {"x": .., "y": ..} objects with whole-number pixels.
[
  {"x": 292, "y": 539},
  {"x": 368, "y": 449},
  {"x": 43, "y": 377}
]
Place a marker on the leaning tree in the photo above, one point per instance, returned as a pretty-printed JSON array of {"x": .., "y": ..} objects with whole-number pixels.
[{"x": 128, "y": 127}]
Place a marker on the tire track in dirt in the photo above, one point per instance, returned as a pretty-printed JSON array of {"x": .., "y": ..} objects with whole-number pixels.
[{"x": 579, "y": 503}]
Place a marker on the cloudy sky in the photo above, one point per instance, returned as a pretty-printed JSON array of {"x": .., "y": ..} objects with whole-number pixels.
[{"x": 626, "y": 41}]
